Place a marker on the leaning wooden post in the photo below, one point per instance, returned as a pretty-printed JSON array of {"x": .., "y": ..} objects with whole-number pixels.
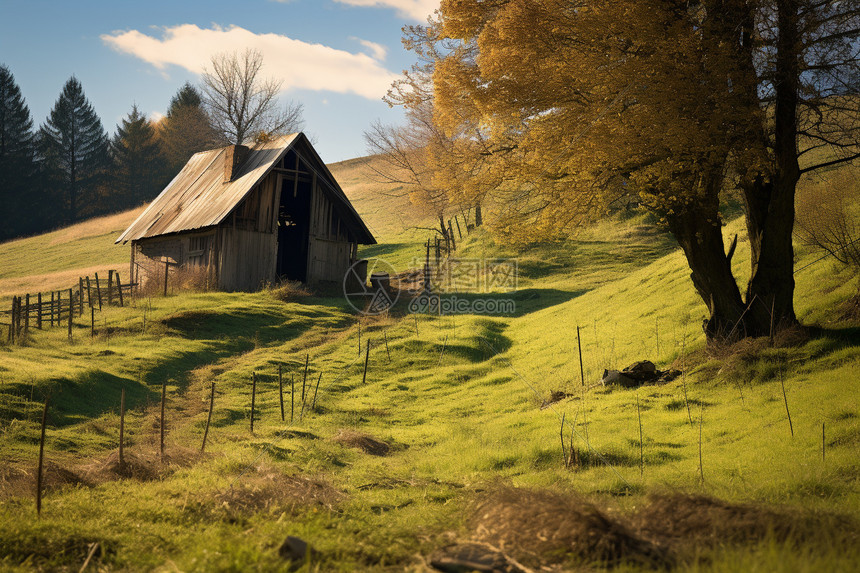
[
  {"x": 459, "y": 232},
  {"x": 281, "y": 390},
  {"x": 387, "y": 350},
  {"x": 253, "y": 397},
  {"x": 99, "y": 290},
  {"x": 81, "y": 293},
  {"x": 121, "y": 428},
  {"x": 41, "y": 460},
  {"x": 359, "y": 337},
  {"x": 26, "y": 314},
  {"x": 89, "y": 292},
  {"x": 52, "y": 308},
  {"x": 12, "y": 322},
  {"x": 822, "y": 441},
  {"x": 39, "y": 311},
  {"x": 166, "y": 267},
  {"x": 71, "y": 312},
  {"x": 314, "y": 403},
  {"x": 208, "y": 418},
  {"x": 305, "y": 377},
  {"x": 92, "y": 322},
  {"x": 119, "y": 288},
  {"x": 163, "y": 399},
  {"x": 110, "y": 287},
  {"x": 451, "y": 235},
  {"x": 581, "y": 369},
  {"x": 366, "y": 360}
]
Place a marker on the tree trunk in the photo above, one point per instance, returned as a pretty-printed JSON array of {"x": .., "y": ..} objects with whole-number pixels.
[
  {"x": 770, "y": 203},
  {"x": 770, "y": 219},
  {"x": 479, "y": 219},
  {"x": 700, "y": 236}
]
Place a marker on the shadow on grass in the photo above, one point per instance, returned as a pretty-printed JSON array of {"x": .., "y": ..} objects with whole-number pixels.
[
  {"x": 510, "y": 304},
  {"x": 838, "y": 337},
  {"x": 90, "y": 395}
]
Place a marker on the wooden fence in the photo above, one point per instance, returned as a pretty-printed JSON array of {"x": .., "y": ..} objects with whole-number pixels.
[{"x": 58, "y": 308}]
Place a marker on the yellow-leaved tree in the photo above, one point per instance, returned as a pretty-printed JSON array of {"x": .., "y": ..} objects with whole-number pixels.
[{"x": 572, "y": 104}]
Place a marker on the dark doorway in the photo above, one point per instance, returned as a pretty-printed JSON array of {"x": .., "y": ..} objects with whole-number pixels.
[{"x": 294, "y": 217}]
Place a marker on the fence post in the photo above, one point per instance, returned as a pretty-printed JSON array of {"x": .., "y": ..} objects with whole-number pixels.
[
  {"x": 366, "y": 360},
  {"x": 579, "y": 345},
  {"x": 89, "y": 292},
  {"x": 92, "y": 322},
  {"x": 208, "y": 418},
  {"x": 119, "y": 288},
  {"x": 41, "y": 459},
  {"x": 52, "y": 308},
  {"x": 81, "y": 294},
  {"x": 163, "y": 397},
  {"x": 121, "y": 428},
  {"x": 71, "y": 312},
  {"x": 12, "y": 321},
  {"x": 281, "y": 390},
  {"x": 39, "y": 312},
  {"x": 98, "y": 290},
  {"x": 26, "y": 314},
  {"x": 253, "y": 397},
  {"x": 110, "y": 287}
]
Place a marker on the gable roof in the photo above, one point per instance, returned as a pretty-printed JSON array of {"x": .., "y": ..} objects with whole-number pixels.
[{"x": 198, "y": 197}]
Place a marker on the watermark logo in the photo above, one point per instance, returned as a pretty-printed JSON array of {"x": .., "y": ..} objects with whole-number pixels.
[
  {"x": 453, "y": 304},
  {"x": 376, "y": 298},
  {"x": 461, "y": 275},
  {"x": 453, "y": 286}
]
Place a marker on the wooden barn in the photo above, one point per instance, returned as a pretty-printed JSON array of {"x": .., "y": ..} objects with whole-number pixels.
[{"x": 237, "y": 218}]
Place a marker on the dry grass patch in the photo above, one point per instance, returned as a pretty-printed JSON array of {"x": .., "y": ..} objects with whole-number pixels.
[
  {"x": 288, "y": 290},
  {"x": 267, "y": 491},
  {"x": 678, "y": 518},
  {"x": 18, "y": 482},
  {"x": 538, "y": 527},
  {"x": 364, "y": 442},
  {"x": 141, "y": 466}
]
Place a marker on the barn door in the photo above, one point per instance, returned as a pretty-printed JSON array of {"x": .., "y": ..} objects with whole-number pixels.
[{"x": 294, "y": 215}]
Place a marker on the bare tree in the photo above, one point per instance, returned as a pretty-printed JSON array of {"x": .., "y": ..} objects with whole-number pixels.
[{"x": 243, "y": 105}]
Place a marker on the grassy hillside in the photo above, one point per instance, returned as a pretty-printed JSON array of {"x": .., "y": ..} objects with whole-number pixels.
[
  {"x": 55, "y": 260},
  {"x": 448, "y": 438}
]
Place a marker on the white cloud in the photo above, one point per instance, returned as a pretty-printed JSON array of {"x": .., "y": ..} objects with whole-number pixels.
[
  {"x": 301, "y": 65},
  {"x": 377, "y": 51},
  {"x": 415, "y": 9},
  {"x": 155, "y": 116}
]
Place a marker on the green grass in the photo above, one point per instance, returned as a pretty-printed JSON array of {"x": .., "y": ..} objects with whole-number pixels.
[{"x": 458, "y": 403}]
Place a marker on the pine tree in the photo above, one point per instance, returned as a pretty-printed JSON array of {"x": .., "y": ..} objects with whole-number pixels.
[
  {"x": 138, "y": 161},
  {"x": 75, "y": 149},
  {"x": 186, "y": 129},
  {"x": 17, "y": 163},
  {"x": 186, "y": 96}
]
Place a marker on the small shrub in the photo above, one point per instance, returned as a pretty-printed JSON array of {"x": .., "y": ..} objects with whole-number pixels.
[{"x": 288, "y": 290}]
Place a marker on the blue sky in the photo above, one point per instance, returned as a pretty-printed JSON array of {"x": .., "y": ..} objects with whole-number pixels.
[{"x": 336, "y": 57}]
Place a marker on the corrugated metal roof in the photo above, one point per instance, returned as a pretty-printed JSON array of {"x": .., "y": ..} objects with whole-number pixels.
[{"x": 198, "y": 197}]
